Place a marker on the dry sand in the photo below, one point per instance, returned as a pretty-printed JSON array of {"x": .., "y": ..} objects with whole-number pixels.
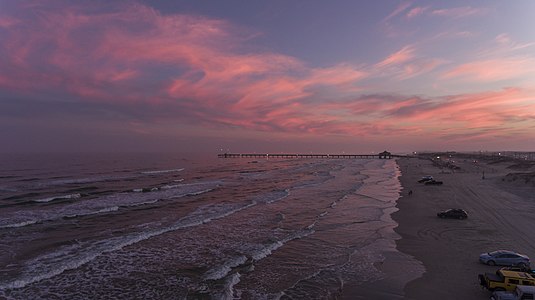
[{"x": 501, "y": 216}]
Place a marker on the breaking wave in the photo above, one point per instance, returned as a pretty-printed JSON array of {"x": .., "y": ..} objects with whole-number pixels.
[{"x": 162, "y": 171}]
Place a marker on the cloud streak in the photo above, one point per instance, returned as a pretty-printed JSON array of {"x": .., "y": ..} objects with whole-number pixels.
[
  {"x": 459, "y": 12},
  {"x": 494, "y": 69}
]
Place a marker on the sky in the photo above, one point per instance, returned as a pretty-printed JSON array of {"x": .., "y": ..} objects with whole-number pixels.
[{"x": 338, "y": 76}]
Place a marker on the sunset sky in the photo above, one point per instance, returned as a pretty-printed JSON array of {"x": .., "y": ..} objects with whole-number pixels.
[{"x": 267, "y": 76}]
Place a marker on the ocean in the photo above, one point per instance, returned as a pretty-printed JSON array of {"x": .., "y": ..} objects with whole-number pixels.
[{"x": 155, "y": 226}]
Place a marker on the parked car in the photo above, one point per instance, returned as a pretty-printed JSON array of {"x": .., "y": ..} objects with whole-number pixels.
[
  {"x": 504, "y": 258},
  {"x": 504, "y": 280},
  {"x": 521, "y": 292},
  {"x": 453, "y": 213},
  {"x": 426, "y": 178},
  {"x": 525, "y": 269},
  {"x": 433, "y": 182}
]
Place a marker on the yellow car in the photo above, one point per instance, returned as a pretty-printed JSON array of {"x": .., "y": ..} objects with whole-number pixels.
[{"x": 505, "y": 280}]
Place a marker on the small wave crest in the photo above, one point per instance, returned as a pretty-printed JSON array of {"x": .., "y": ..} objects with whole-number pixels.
[
  {"x": 162, "y": 171},
  {"x": 43, "y": 183},
  {"x": 101, "y": 211},
  {"x": 84, "y": 180},
  {"x": 228, "y": 291},
  {"x": 172, "y": 186},
  {"x": 254, "y": 255},
  {"x": 20, "y": 224},
  {"x": 272, "y": 196},
  {"x": 8, "y": 189},
  {"x": 223, "y": 270},
  {"x": 71, "y": 196}
]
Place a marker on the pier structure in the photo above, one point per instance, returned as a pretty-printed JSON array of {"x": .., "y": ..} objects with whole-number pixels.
[{"x": 382, "y": 155}]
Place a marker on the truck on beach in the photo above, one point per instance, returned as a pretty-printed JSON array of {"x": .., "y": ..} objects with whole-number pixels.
[
  {"x": 505, "y": 280},
  {"x": 521, "y": 292}
]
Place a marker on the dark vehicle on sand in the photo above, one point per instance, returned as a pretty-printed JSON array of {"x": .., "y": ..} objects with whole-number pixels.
[
  {"x": 426, "y": 178},
  {"x": 433, "y": 182},
  {"x": 453, "y": 213}
]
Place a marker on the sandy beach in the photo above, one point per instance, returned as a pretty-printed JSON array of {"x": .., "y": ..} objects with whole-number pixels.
[{"x": 501, "y": 210}]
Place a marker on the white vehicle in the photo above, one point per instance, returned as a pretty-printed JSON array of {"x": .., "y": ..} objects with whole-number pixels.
[{"x": 522, "y": 292}]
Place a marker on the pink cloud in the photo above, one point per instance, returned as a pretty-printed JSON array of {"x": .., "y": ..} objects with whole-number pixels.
[
  {"x": 456, "y": 116},
  {"x": 507, "y": 44},
  {"x": 404, "y": 64},
  {"x": 453, "y": 117},
  {"x": 503, "y": 38},
  {"x": 198, "y": 53},
  {"x": 455, "y": 34},
  {"x": 336, "y": 75},
  {"x": 6, "y": 21},
  {"x": 386, "y": 24},
  {"x": 488, "y": 109},
  {"x": 420, "y": 67},
  {"x": 494, "y": 69},
  {"x": 403, "y": 6},
  {"x": 193, "y": 70},
  {"x": 399, "y": 57},
  {"x": 459, "y": 12},
  {"x": 416, "y": 11}
]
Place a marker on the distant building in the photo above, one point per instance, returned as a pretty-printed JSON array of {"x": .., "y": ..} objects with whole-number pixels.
[{"x": 385, "y": 155}]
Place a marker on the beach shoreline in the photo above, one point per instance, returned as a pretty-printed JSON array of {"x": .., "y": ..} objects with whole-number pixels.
[{"x": 499, "y": 218}]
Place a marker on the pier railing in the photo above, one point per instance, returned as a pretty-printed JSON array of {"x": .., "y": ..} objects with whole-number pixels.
[{"x": 295, "y": 155}]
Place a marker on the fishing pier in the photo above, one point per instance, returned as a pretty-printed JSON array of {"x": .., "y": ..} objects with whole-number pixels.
[{"x": 382, "y": 155}]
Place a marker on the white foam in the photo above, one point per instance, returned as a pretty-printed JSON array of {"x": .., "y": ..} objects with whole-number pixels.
[
  {"x": 271, "y": 196},
  {"x": 100, "y": 205},
  {"x": 170, "y": 186},
  {"x": 264, "y": 251},
  {"x": 228, "y": 291},
  {"x": 173, "y": 186},
  {"x": 222, "y": 271},
  {"x": 71, "y": 196},
  {"x": 73, "y": 256},
  {"x": 162, "y": 171},
  {"x": 20, "y": 224},
  {"x": 200, "y": 192},
  {"x": 85, "y": 180},
  {"x": 268, "y": 249},
  {"x": 312, "y": 225},
  {"x": 144, "y": 203},
  {"x": 100, "y": 211},
  {"x": 8, "y": 189}
]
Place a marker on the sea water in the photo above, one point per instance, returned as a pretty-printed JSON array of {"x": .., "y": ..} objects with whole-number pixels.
[{"x": 193, "y": 227}]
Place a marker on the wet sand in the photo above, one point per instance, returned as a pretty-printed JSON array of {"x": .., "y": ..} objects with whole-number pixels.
[{"x": 501, "y": 216}]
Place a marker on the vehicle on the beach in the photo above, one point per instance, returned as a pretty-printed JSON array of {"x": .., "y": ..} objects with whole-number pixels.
[
  {"x": 521, "y": 292},
  {"x": 453, "y": 213},
  {"x": 433, "y": 182},
  {"x": 525, "y": 269},
  {"x": 504, "y": 258},
  {"x": 505, "y": 280},
  {"x": 425, "y": 178}
]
